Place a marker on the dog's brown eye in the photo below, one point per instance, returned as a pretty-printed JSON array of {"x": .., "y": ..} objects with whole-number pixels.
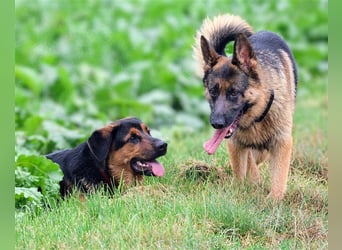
[
  {"x": 233, "y": 95},
  {"x": 134, "y": 138}
]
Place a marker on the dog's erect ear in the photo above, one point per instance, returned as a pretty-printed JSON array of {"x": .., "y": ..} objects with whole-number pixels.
[
  {"x": 244, "y": 56},
  {"x": 100, "y": 141},
  {"x": 209, "y": 54}
]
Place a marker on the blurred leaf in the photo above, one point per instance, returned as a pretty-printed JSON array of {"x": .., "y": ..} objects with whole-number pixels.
[
  {"x": 190, "y": 121},
  {"x": 63, "y": 90},
  {"x": 60, "y": 135},
  {"x": 28, "y": 78},
  {"x": 156, "y": 97},
  {"x": 33, "y": 124}
]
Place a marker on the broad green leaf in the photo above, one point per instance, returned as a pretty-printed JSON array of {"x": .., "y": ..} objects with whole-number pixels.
[
  {"x": 33, "y": 173},
  {"x": 33, "y": 124},
  {"x": 37, "y": 164},
  {"x": 29, "y": 78}
]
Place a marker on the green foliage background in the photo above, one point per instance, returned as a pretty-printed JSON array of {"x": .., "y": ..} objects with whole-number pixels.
[{"x": 81, "y": 64}]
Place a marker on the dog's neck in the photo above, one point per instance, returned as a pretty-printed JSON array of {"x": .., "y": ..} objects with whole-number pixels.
[{"x": 268, "y": 106}]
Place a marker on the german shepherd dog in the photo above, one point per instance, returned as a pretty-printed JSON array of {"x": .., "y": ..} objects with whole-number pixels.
[
  {"x": 119, "y": 153},
  {"x": 251, "y": 96}
]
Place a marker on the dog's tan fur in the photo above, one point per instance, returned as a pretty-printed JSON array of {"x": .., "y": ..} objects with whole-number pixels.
[
  {"x": 119, "y": 160},
  {"x": 253, "y": 142}
]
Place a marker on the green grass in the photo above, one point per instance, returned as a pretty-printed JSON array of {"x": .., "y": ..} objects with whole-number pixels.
[{"x": 80, "y": 65}]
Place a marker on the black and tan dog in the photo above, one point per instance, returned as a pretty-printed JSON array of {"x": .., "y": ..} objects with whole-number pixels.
[
  {"x": 251, "y": 95},
  {"x": 121, "y": 152}
]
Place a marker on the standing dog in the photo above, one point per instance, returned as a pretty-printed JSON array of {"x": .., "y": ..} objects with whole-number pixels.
[
  {"x": 122, "y": 151},
  {"x": 251, "y": 96}
]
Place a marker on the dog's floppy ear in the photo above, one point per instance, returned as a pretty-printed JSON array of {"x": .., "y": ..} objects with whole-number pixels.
[
  {"x": 210, "y": 56},
  {"x": 100, "y": 141},
  {"x": 244, "y": 56}
]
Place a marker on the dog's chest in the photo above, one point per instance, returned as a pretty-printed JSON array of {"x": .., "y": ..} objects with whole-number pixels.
[{"x": 256, "y": 136}]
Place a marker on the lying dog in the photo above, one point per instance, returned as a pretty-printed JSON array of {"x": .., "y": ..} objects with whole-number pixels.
[
  {"x": 251, "y": 96},
  {"x": 121, "y": 152}
]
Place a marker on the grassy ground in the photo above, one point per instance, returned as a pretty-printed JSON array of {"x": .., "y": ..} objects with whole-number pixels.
[{"x": 197, "y": 205}]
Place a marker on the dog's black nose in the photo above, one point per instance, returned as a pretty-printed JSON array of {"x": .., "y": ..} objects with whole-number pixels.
[
  {"x": 217, "y": 122},
  {"x": 217, "y": 125},
  {"x": 161, "y": 146}
]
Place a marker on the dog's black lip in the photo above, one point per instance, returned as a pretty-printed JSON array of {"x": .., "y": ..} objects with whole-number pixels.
[{"x": 236, "y": 120}]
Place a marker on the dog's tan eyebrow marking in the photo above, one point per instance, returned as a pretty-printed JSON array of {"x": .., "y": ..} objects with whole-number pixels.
[
  {"x": 132, "y": 131},
  {"x": 145, "y": 128}
]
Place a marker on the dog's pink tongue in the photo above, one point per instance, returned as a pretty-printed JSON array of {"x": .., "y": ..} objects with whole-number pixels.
[
  {"x": 215, "y": 141},
  {"x": 157, "y": 168}
]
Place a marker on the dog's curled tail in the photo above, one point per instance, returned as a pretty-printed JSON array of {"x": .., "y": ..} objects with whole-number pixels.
[{"x": 219, "y": 31}]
